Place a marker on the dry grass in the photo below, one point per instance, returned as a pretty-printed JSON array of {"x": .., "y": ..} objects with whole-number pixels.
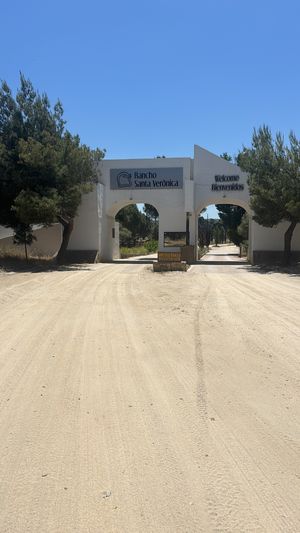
[{"x": 15, "y": 260}]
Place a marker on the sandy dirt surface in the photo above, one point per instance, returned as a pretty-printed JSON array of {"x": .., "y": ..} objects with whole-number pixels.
[
  {"x": 223, "y": 253},
  {"x": 140, "y": 402}
]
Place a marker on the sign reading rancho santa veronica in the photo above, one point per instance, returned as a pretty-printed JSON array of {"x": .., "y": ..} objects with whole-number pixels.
[
  {"x": 227, "y": 183},
  {"x": 146, "y": 178}
]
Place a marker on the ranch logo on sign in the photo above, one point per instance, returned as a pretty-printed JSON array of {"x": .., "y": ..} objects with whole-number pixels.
[
  {"x": 124, "y": 180},
  {"x": 146, "y": 178}
]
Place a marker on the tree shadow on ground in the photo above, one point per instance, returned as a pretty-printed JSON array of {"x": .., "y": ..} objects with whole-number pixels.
[
  {"x": 292, "y": 270},
  {"x": 225, "y": 255},
  {"x": 131, "y": 262},
  {"x": 20, "y": 265}
]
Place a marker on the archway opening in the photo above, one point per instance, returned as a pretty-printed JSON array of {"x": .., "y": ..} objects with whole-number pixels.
[
  {"x": 136, "y": 231},
  {"x": 223, "y": 233}
]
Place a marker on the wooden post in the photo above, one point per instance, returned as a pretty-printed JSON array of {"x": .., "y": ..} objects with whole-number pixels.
[{"x": 187, "y": 229}]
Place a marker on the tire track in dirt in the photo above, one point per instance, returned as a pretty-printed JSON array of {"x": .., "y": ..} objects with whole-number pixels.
[
  {"x": 259, "y": 466},
  {"x": 144, "y": 402}
]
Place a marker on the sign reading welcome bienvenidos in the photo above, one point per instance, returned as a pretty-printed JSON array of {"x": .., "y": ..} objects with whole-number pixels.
[
  {"x": 146, "y": 178},
  {"x": 227, "y": 183}
]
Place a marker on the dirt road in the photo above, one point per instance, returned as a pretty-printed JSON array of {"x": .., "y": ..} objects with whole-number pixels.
[
  {"x": 140, "y": 402},
  {"x": 223, "y": 253}
]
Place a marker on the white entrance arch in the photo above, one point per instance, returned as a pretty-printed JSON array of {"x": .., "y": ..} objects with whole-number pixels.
[
  {"x": 113, "y": 245},
  {"x": 178, "y": 188},
  {"x": 224, "y": 201},
  {"x": 237, "y": 203},
  {"x": 220, "y": 182}
]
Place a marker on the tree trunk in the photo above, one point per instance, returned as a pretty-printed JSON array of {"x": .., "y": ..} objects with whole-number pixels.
[
  {"x": 26, "y": 253},
  {"x": 67, "y": 230},
  {"x": 287, "y": 243}
]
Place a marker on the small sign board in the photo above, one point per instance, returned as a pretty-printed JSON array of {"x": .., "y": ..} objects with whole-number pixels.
[
  {"x": 174, "y": 238},
  {"x": 169, "y": 257}
]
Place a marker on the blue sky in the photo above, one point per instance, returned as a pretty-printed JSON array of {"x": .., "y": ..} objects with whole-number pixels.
[{"x": 144, "y": 78}]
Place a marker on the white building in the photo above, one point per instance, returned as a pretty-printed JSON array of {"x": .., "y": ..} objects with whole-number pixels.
[{"x": 177, "y": 188}]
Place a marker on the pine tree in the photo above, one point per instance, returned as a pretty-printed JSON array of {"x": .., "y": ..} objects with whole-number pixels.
[
  {"x": 274, "y": 181},
  {"x": 44, "y": 169}
]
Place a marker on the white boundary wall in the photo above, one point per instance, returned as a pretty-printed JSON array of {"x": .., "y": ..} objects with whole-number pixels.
[{"x": 48, "y": 241}]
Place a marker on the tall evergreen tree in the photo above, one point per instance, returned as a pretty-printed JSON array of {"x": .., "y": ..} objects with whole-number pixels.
[
  {"x": 135, "y": 222},
  {"x": 274, "y": 181},
  {"x": 231, "y": 216},
  {"x": 151, "y": 212},
  {"x": 226, "y": 156},
  {"x": 44, "y": 169}
]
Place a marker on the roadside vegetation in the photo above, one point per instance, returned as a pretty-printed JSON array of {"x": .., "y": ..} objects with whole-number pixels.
[
  {"x": 273, "y": 167},
  {"x": 150, "y": 247},
  {"x": 15, "y": 260},
  {"x": 274, "y": 181},
  {"x": 232, "y": 226},
  {"x": 138, "y": 230},
  {"x": 44, "y": 168}
]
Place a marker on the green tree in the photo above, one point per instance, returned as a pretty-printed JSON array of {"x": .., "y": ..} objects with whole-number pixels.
[
  {"x": 274, "y": 181},
  {"x": 130, "y": 218},
  {"x": 138, "y": 224},
  {"x": 152, "y": 214},
  {"x": 44, "y": 169},
  {"x": 218, "y": 232},
  {"x": 226, "y": 156},
  {"x": 202, "y": 231},
  {"x": 231, "y": 216},
  {"x": 243, "y": 228},
  {"x": 126, "y": 238},
  {"x": 23, "y": 235},
  {"x": 205, "y": 229}
]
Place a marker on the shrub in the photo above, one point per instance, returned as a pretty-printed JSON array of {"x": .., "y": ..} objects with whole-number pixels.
[{"x": 151, "y": 246}]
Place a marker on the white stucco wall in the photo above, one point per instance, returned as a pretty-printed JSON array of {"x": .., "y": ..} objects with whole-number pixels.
[
  {"x": 86, "y": 232},
  {"x": 48, "y": 241},
  {"x": 206, "y": 167},
  {"x": 272, "y": 239},
  {"x": 170, "y": 203},
  {"x": 116, "y": 199}
]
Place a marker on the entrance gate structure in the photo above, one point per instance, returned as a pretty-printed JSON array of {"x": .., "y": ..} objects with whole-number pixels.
[{"x": 179, "y": 188}]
